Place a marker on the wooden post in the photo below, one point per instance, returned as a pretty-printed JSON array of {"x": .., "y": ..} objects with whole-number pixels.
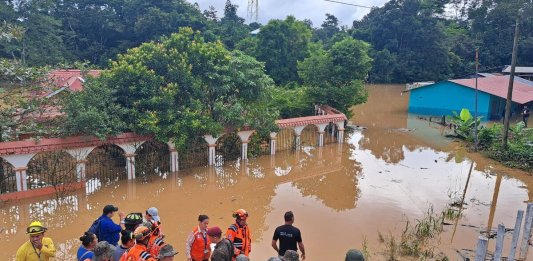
[
  {"x": 499, "y": 243},
  {"x": 481, "y": 251},
  {"x": 516, "y": 234},
  {"x": 527, "y": 232}
]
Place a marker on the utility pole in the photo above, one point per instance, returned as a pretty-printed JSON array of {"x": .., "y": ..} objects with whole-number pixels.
[
  {"x": 511, "y": 82},
  {"x": 475, "y": 109}
]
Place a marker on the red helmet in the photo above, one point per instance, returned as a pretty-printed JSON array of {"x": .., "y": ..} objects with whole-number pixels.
[{"x": 240, "y": 214}]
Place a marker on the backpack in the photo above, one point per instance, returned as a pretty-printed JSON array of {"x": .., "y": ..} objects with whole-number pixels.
[{"x": 95, "y": 228}]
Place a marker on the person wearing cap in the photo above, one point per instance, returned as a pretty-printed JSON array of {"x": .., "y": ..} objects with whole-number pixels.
[
  {"x": 139, "y": 251},
  {"x": 103, "y": 251},
  {"x": 197, "y": 247},
  {"x": 290, "y": 237},
  {"x": 108, "y": 230},
  {"x": 152, "y": 214},
  {"x": 354, "y": 255},
  {"x": 167, "y": 253},
  {"x": 239, "y": 233},
  {"x": 291, "y": 255},
  {"x": 38, "y": 248},
  {"x": 224, "y": 250}
]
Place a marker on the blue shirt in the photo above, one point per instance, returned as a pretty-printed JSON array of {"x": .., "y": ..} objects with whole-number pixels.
[
  {"x": 84, "y": 253},
  {"x": 109, "y": 231}
]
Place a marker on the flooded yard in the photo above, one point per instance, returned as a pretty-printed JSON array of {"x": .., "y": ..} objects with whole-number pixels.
[{"x": 390, "y": 170}]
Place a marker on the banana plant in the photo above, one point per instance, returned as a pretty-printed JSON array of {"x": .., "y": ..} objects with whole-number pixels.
[{"x": 465, "y": 124}]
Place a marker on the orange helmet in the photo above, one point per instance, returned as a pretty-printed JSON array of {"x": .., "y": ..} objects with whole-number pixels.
[
  {"x": 141, "y": 232},
  {"x": 240, "y": 214}
]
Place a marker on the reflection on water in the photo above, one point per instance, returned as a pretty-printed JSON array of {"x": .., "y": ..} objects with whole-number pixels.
[{"x": 378, "y": 179}]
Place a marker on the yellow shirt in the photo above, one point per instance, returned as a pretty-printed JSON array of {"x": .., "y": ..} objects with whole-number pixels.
[{"x": 26, "y": 252}]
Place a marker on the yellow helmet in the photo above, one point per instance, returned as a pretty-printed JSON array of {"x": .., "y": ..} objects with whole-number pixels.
[{"x": 35, "y": 227}]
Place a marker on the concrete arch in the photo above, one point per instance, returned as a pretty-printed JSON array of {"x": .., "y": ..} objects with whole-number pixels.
[
  {"x": 51, "y": 168},
  {"x": 105, "y": 164},
  {"x": 309, "y": 136},
  {"x": 228, "y": 148},
  {"x": 8, "y": 179},
  {"x": 152, "y": 158}
]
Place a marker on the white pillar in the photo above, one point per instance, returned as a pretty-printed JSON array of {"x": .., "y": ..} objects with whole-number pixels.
[
  {"x": 212, "y": 142},
  {"x": 245, "y": 138},
  {"x": 129, "y": 152},
  {"x": 340, "y": 131},
  {"x": 298, "y": 132},
  {"x": 80, "y": 154},
  {"x": 20, "y": 175},
  {"x": 130, "y": 165},
  {"x": 273, "y": 137},
  {"x": 321, "y": 127},
  {"x": 20, "y": 165},
  {"x": 174, "y": 157}
]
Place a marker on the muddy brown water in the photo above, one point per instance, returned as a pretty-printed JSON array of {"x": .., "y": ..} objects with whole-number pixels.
[{"x": 384, "y": 175}]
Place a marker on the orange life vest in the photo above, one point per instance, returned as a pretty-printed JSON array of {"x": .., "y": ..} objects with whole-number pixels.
[
  {"x": 241, "y": 239},
  {"x": 200, "y": 249},
  {"x": 137, "y": 253},
  {"x": 156, "y": 245}
]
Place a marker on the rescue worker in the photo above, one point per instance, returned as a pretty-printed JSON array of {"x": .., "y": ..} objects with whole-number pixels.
[
  {"x": 197, "y": 247},
  {"x": 132, "y": 221},
  {"x": 239, "y": 233},
  {"x": 156, "y": 241},
  {"x": 38, "y": 248},
  {"x": 139, "y": 251}
]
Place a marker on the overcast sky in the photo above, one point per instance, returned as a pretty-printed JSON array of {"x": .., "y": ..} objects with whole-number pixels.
[{"x": 301, "y": 9}]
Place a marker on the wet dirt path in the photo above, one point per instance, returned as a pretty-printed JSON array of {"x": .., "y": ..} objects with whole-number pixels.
[{"x": 340, "y": 194}]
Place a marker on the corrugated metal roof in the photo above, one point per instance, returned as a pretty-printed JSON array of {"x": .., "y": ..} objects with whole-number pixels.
[
  {"x": 497, "y": 86},
  {"x": 518, "y": 69}
]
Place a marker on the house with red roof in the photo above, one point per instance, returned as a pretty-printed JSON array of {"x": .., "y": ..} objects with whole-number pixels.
[
  {"x": 66, "y": 80},
  {"x": 442, "y": 98}
]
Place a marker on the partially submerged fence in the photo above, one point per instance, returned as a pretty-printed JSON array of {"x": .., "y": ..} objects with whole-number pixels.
[
  {"x": 29, "y": 165},
  {"x": 519, "y": 244}
]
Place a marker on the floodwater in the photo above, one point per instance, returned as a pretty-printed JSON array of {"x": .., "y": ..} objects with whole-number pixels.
[{"x": 342, "y": 195}]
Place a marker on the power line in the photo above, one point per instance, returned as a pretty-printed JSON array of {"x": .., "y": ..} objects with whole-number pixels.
[{"x": 344, "y": 3}]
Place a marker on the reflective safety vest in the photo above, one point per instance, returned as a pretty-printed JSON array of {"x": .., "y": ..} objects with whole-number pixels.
[
  {"x": 200, "y": 249},
  {"x": 137, "y": 253},
  {"x": 156, "y": 245},
  {"x": 241, "y": 239}
]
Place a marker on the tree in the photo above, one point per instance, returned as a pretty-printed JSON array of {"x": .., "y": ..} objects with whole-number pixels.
[
  {"x": 231, "y": 27},
  {"x": 179, "y": 88},
  {"x": 329, "y": 28},
  {"x": 282, "y": 43},
  {"x": 335, "y": 77},
  {"x": 411, "y": 31}
]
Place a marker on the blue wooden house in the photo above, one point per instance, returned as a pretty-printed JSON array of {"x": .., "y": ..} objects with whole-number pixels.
[{"x": 444, "y": 97}]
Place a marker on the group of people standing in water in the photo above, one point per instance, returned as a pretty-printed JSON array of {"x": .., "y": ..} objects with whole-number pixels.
[{"x": 139, "y": 237}]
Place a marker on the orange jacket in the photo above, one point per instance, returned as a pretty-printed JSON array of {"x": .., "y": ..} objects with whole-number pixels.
[
  {"x": 137, "y": 253},
  {"x": 241, "y": 239},
  {"x": 200, "y": 249}
]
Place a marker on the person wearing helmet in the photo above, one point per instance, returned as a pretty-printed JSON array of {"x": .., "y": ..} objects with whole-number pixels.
[
  {"x": 38, "y": 248},
  {"x": 239, "y": 233},
  {"x": 156, "y": 241},
  {"x": 139, "y": 251},
  {"x": 132, "y": 221}
]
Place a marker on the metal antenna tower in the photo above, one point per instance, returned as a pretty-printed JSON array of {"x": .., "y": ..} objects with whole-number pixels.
[{"x": 253, "y": 10}]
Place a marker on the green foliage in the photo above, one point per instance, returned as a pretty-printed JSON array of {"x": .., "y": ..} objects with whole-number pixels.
[
  {"x": 518, "y": 153},
  {"x": 465, "y": 124},
  {"x": 182, "y": 87},
  {"x": 335, "y": 76},
  {"x": 281, "y": 44},
  {"x": 291, "y": 102}
]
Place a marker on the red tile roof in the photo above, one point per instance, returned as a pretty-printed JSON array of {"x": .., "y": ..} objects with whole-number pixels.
[
  {"x": 497, "y": 86},
  {"x": 73, "y": 79},
  {"x": 302, "y": 121}
]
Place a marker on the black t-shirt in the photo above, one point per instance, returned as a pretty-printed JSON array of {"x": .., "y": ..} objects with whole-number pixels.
[{"x": 288, "y": 236}]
